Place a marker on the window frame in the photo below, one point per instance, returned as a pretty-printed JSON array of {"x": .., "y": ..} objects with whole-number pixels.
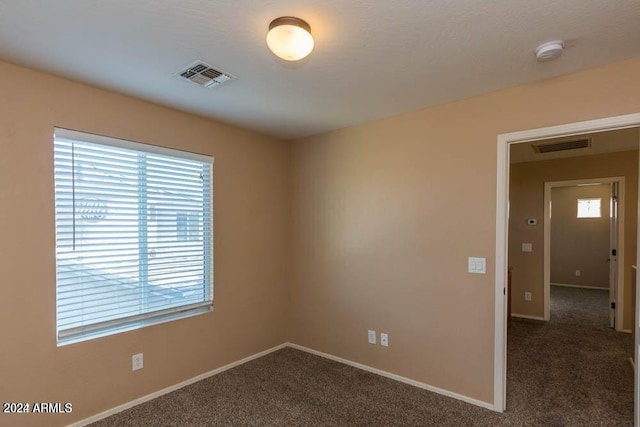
[{"x": 131, "y": 322}]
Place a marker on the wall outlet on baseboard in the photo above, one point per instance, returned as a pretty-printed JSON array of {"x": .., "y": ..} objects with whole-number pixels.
[
  {"x": 136, "y": 362},
  {"x": 527, "y": 296},
  {"x": 384, "y": 340},
  {"x": 578, "y": 273},
  {"x": 372, "y": 337}
]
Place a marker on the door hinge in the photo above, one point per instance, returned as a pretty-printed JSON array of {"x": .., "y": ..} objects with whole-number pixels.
[{"x": 613, "y": 305}]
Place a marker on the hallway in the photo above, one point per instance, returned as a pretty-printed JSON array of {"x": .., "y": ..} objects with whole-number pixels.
[{"x": 573, "y": 370}]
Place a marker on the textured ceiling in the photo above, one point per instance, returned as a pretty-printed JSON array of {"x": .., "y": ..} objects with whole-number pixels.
[{"x": 373, "y": 58}]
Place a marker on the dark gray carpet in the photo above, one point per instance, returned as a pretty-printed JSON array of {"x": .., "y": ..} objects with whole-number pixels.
[{"x": 573, "y": 371}]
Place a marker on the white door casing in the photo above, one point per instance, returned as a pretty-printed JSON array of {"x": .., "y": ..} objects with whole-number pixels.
[{"x": 636, "y": 328}]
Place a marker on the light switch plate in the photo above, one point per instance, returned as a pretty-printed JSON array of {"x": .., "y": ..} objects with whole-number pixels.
[
  {"x": 372, "y": 336},
  {"x": 477, "y": 265},
  {"x": 527, "y": 247}
]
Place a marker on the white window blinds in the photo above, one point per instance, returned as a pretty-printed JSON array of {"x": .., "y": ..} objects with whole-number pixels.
[{"x": 134, "y": 234}]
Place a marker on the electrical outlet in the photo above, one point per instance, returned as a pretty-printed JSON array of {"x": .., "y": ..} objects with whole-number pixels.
[
  {"x": 577, "y": 273},
  {"x": 527, "y": 296},
  {"x": 136, "y": 362},
  {"x": 384, "y": 340},
  {"x": 372, "y": 337}
]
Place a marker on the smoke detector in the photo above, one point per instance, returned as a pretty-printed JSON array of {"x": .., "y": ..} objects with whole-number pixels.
[
  {"x": 205, "y": 75},
  {"x": 549, "y": 51}
]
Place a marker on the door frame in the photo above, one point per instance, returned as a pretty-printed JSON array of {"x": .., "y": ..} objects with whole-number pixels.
[
  {"x": 619, "y": 294},
  {"x": 502, "y": 232}
]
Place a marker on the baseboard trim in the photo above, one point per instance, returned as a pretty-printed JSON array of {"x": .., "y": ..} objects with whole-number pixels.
[
  {"x": 174, "y": 387},
  {"x": 396, "y": 377},
  {"x": 626, "y": 331},
  {"x": 566, "y": 285},
  {"x": 526, "y": 316}
]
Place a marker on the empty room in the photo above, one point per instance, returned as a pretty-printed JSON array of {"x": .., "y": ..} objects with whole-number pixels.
[{"x": 318, "y": 212}]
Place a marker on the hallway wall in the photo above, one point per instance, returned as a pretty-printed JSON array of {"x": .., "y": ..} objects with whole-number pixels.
[
  {"x": 527, "y": 201},
  {"x": 579, "y": 244}
]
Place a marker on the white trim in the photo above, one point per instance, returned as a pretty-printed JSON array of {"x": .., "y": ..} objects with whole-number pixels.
[
  {"x": 526, "y": 316},
  {"x": 566, "y": 285},
  {"x": 501, "y": 291},
  {"x": 636, "y": 324},
  {"x": 633, "y": 365},
  {"x": 395, "y": 377},
  {"x": 502, "y": 232},
  {"x": 174, "y": 387},
  {"x": 619, "y": 293},
  {"x": 626, "y": 331}
]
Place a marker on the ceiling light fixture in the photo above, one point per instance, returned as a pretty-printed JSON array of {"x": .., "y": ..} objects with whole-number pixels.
[
  {"x": 550, "y": 50},
  {"x": 290, "y": 38}
]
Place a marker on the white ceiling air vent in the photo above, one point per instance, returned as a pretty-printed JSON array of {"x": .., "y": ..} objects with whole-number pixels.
[
  {"x": 204, "y": 75},
  {"x": 562, "y": 146}
]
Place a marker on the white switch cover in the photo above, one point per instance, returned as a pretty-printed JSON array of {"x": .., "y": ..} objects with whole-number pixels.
[
  {"x": 477, "y": 265},
  {"x": 527, "y": 247},
  {"x": 372, "y": 337},
  {"x": 384, "y": 340}
]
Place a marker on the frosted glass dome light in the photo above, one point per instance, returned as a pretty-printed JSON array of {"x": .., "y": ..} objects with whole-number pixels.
[{"x": 290, "y": 38}]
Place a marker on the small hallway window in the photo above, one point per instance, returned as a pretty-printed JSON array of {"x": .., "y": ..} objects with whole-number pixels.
[{"x": 590, "y": 208}]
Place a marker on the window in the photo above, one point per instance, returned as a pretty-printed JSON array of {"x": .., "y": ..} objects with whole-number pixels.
[
  {"x": 188, "y": 226},
  {"x": 134, "y": 233},
  {"x": 589, "y": 208}
]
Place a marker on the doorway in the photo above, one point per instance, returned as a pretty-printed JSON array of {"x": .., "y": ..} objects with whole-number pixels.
[
  {"x": 505, "y": 141},
  {"x": 584, "y": 238}
]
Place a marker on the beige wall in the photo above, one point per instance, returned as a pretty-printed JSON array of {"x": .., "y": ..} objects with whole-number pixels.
[
  {"x": 526, "y": 201},
  {"x": 579, "y": 243},
  {"x": 385, "y": 215},
  {"x": 251, "y": 236}
]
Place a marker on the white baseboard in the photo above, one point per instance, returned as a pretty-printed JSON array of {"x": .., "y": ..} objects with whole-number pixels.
[
  {"x": 396, "y": 377},
  {"x": 626, "y": 331},
  {"x": 526, "y": 316},
  {"x": 566, "y": 285},
  {"x": 174, "y": 387}
]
